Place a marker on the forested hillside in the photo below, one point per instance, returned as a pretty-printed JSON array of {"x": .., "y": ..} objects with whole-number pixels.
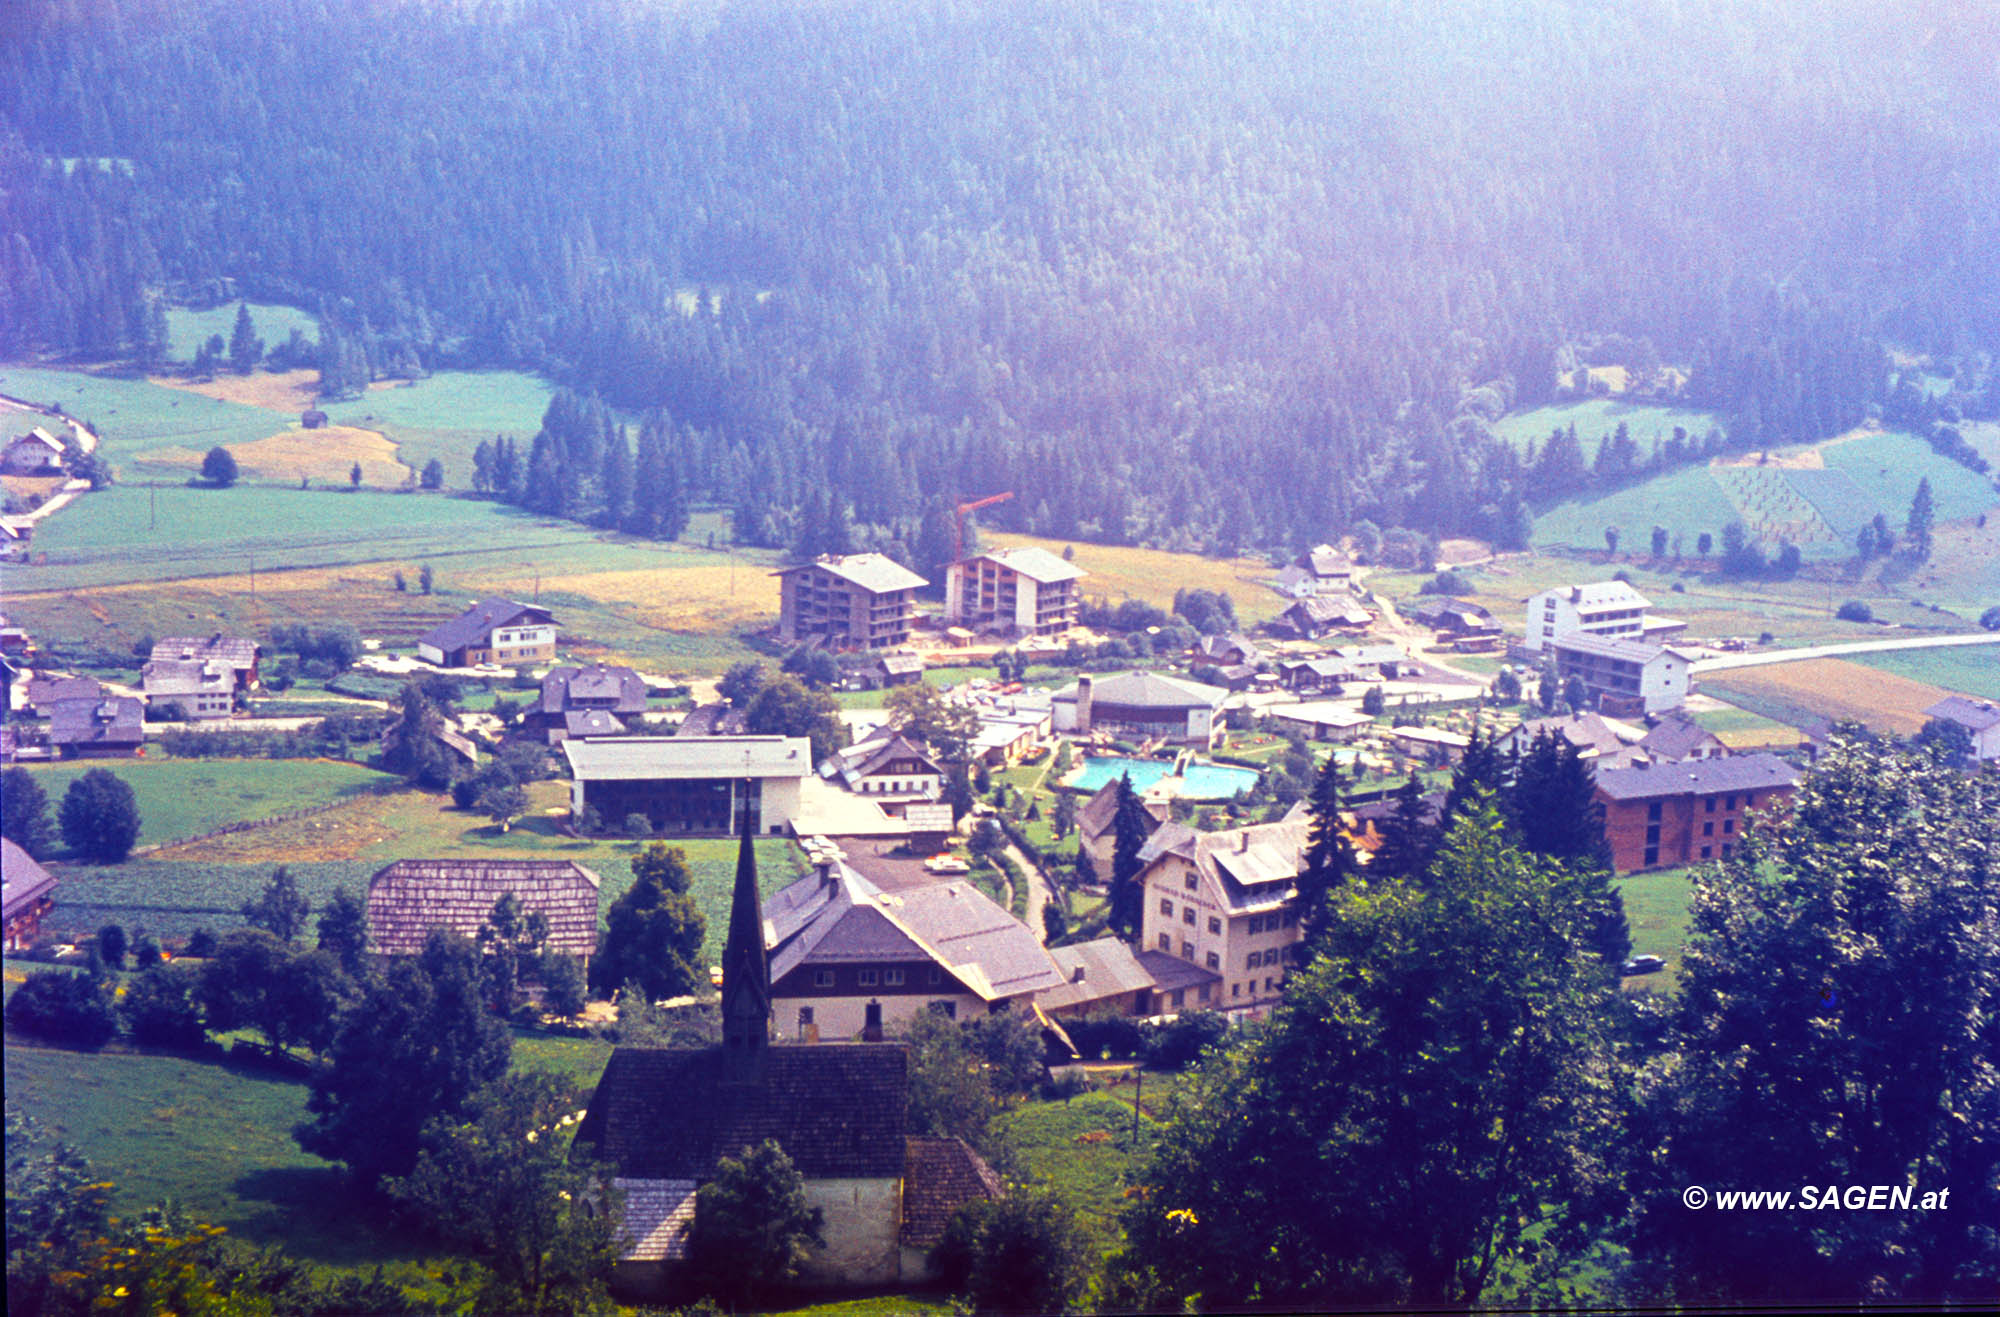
[{"x": 1234, "y": 274}]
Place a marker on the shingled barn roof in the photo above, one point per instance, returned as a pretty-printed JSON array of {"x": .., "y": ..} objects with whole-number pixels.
[
  {"x": 939, "y": 1177},
  {"x": 839, "y": 1111},
  {"x": 410, "y": 897}
]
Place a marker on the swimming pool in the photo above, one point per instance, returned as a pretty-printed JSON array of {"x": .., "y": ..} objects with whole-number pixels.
[{"x": 1202, "y": 781}]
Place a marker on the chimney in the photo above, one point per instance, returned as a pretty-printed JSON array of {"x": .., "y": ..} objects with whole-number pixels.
[
  {"x": 1243, "y": 840},
  {"x": 1083, "y": 702},
  {"x": 1076, "y": 975}
]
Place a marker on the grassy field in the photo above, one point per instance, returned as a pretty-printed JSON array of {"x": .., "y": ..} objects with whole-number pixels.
[
  {"x": 1970, "y": 670},
  {"x": 205, "y": 884},
  {"x": 1598, "y": 418},
  {"x": 182, "y": 797},
  {"x": 1058, "y": 1144},
  {"x": 1656, "y": 906},
  {"x": 1740, "y": 728},
  {"x": 1153, "y": 575},
  {"x": 132, "y": 416},
  {"x": 1797, "y": 693},
  {"x": 188, "y": 330}
]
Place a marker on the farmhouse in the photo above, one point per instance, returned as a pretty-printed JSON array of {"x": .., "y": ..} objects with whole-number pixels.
[
  {"x": 1024, "y": 591},
  {"x": 106, "y": 727},
  {"x": 236, "y": 653},
  {"x": 692, "y": 785},
  {"x": 1623, "y": 676},
  {"x": 1453, "y": 619},
  {"x": 1227, "y": 903},
  {"x": 409, "y": 898},
  {"x": 14, "y": 540},
  {"x": 491, "y": 631},
  {"x": 196, "y": 689},
  {"x": 665, "y": 1116},
  {"x": 890, "y": 769},
  {"x": 592, "y": 701},
  {"x": 849, "y": 960},
  {"x": 1387, "y": 660},
  {"x": 884, "y": 671},
  {"x": 1664, "y": 816},
  {"x": 36, "y": 453},
  {"x": 28, "y": 895},
  {"x": 1140, "y": 706},
  {"x": 1677, "y": 738},
  {"x": 1233, "y": 650},
  {"x": 1294, "y": 582},
  {"x": 1096, "y": 820},
  {"x": 856, "y": 601},
  {"x": 1314, "y": 675},
  {"x": 1605, "y": 742},
  {"x": 1328, "y": 566},
  {"x": 1311, "y": 618},
  {"x": 1979, "y": 718},
  {"x": 40, "y": 693}
]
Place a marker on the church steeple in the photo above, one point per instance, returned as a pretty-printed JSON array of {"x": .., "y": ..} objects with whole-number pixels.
[{"x": 746, "y": 970}]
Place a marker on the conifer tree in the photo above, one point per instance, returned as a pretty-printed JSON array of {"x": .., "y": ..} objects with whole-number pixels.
[
  {"x": 1409, "y": 838},
  {"x": 1329, "y": 859},
  {"x": 1130, "y": 826}
]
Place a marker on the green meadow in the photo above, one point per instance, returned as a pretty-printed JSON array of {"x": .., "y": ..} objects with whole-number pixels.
[
  {"x": 1598, "y": 418},
  {"x": 184, "y": 797},
  {"x": 187, "y": 330},
  {"x": 133, "y": 415}
]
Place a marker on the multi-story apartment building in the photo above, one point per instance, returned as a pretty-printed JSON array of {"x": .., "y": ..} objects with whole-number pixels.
[
  {"x": 1624, "y": 677},
  {"x": 852, "y": 601},
  {"x": 1227, "y": 902},
  {"x": 1026, "y": 591},
  {"x": 1667, "y": 815},
  {"x": 1609, "y": 610}
]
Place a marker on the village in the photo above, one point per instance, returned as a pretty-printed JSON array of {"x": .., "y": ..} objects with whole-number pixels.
[{"x": 1023, "y": 804}]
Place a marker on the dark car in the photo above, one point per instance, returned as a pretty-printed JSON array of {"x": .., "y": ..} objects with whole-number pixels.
[{"x": 1644, "y": 965}]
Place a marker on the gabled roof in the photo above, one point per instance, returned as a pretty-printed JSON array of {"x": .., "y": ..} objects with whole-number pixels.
[
  {"x": 716, "y": 718},
  {"x": 1325, "y": 610},
  {"x": 1170, "y": 838},
  {"x": 1092, "y": 971},
  {"x": 1291, "y": 576},
  {"x": 880, "y": 753},
  {"x": 1592, "y": 734},
  {"x": 674, "y": 758},
  {"x": 564, "y": 686},
  {"x": 1221, "y": 647},
  {"x": 25, "y": 881},
  {"x": 897, "y": 664},
  {"x": 1255, "y": 867},
  {"x": 410, "y": 897},
  {"x": 1677, "y": 738},
  {"x": 1037, "y": 564},
  {"x": 237, "y": 651},
  {"x": 1171, "y": 973},
  {"x": 37, "y": 438},
  {"x": 481, "y": 620},
  {"x": 187, "y": 677},
  {"x": 1096, "y": 814},
  {"x": 1701, "y": 777},
  {"x": 840, "y": 917},
  {"x": 1323, "y": 560},
  {"x": 1318, "y": 667},
  {"x": 939, "y": 1177},
  {"x": 839, "y": 1110},
  {"x": 874, "y": 572},
  {"x": 1148, "y": 690},
  {"x": 1973, "y": 715},
  {"x": 111, "y": 720},
  {"x": 44, "y": 692},
  {"x": 591, "y": 722}
]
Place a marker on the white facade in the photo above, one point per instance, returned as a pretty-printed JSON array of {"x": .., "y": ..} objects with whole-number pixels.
[
  {"x": 1187, "y": 914},
  {"x": 1609, "y": 610},
  {"x": 806, "y": 1018},
  {"x": 1625, "y": 671}
]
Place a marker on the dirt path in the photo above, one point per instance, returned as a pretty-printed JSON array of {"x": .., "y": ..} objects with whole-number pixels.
[{"x": 1039, "y": 894}]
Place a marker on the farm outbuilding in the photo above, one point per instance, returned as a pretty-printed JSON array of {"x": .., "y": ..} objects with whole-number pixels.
[{"x": 409, "y": 898}]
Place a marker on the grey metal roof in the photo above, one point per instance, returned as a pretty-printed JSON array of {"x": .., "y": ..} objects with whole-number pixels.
[
  {"x": 873, "y": 572},
  {"x": 564, "y": 686},
  {"x": 1324, "y": 560},
  {"x": 479, "y": 621},
  {"x": 1171, "y": 973},
  {"x": 1092, "y": 971},
  {"x": 1606, "y": 594},
  {"x": 678, "y": 758},
  {"x": 187, "y": 676},
  {"x": 1973, "y": 715},
  {"x": 592, "y": 722},
  {"x": 237, "y": 651},
  {"x": 844, "y": 918},
  {"x": 1148, "y": 690},
  {"x": 1035, "y": 563},
  {"x": 1676, "y": 738},
  {"x": 1701, "y": 777},
  {"x": 25, "y": 880},
  {"x": 111, "y": 720}
]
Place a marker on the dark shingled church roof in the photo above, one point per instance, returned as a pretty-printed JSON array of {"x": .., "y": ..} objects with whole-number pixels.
[
  {"x": 838, "y": 1110},
  {"x": 941, "y": 1176}
]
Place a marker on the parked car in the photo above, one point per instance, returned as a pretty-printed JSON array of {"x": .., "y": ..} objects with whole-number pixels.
[{"x": 1644, "y": 965}]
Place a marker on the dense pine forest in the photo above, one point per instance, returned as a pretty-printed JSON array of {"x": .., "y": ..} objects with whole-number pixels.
[{"x": 1230, "y": 275}]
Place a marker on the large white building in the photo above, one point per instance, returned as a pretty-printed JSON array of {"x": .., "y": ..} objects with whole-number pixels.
[
  {"x": 1227, "y": 902},
  {"x": 1623, "y": 677},
  {"x": 1141, "y": 706},
  {"x": 1026, "y": 591},
  {"x": 1609, "y": 610},
  {"x": 693, "y": 785}
]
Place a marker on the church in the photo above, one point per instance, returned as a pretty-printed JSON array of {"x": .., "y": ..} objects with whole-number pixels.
[{"x": 663, "y": 1118}]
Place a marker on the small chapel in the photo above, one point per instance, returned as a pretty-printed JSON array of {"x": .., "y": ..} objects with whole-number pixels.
[{"x": 662, "y": 1117}]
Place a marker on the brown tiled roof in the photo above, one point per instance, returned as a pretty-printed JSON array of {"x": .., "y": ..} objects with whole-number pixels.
[
  {"x": 939, "y": 1177},
  {"x": 410, "y": 897},
  {"x": 839, "y": 1110}
]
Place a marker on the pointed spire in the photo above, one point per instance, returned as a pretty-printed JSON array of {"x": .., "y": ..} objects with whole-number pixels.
[{"x": 746, "y": 968}]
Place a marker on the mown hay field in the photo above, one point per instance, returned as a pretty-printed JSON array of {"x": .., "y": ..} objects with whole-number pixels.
[
  {"x": 1599, "y": 418},
  {"x": 1153, "y": 575},
  {"x": 1799, "y": 692},
  {"x": 290, "y": 391},
  {"x": 1967, "y": 669}
]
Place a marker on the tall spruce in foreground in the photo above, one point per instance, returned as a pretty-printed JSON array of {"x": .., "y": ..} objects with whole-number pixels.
[
  {"x": 1426, "y": 1121},
  {"x": 1839, "y": 1024},
  {"x": 1329, "y": 859},
  {"x": 1409, "y": 837},
  {"x": 1130, "y": 826},
  {"x": 1559, "y": 816}
]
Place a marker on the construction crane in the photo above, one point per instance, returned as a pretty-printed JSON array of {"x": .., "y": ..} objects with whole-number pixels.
[{"x": 958, "y": 540}]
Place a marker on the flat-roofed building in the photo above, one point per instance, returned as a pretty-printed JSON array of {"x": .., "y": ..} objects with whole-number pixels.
[
  {"x": 1025, "y": 591},
  {"x": 690, "y": 785},
  {"x": 851, "y": 601}
]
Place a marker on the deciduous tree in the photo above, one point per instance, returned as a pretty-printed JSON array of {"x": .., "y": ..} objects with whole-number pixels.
[
  {"x": 753, "y": 1225},
  {"x": 99, "y": 817},
  {"x": 654, "y": 932},
  {"x": 24, "y": 812}
]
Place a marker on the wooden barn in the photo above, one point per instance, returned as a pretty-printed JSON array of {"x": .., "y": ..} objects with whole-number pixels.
[{"x": 411, "y": 897}]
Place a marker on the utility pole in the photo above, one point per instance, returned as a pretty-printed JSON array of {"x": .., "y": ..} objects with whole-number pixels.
[{"x": 1138, "y": 1092}]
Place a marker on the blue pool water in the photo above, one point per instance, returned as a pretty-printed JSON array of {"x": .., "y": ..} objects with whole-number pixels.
[{"x": 1202, "y": 781}]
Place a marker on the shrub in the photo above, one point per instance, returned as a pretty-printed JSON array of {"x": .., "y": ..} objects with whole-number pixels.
[
  {"x": 1855, "y": 611},
  {"x": 67, "y": 1008},
  {"x": 1180, "y": 1042},
  {"x": 160, "y": 1010}
]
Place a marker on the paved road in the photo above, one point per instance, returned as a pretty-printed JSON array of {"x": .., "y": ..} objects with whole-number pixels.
[{"x": 1835, "y": 651}]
